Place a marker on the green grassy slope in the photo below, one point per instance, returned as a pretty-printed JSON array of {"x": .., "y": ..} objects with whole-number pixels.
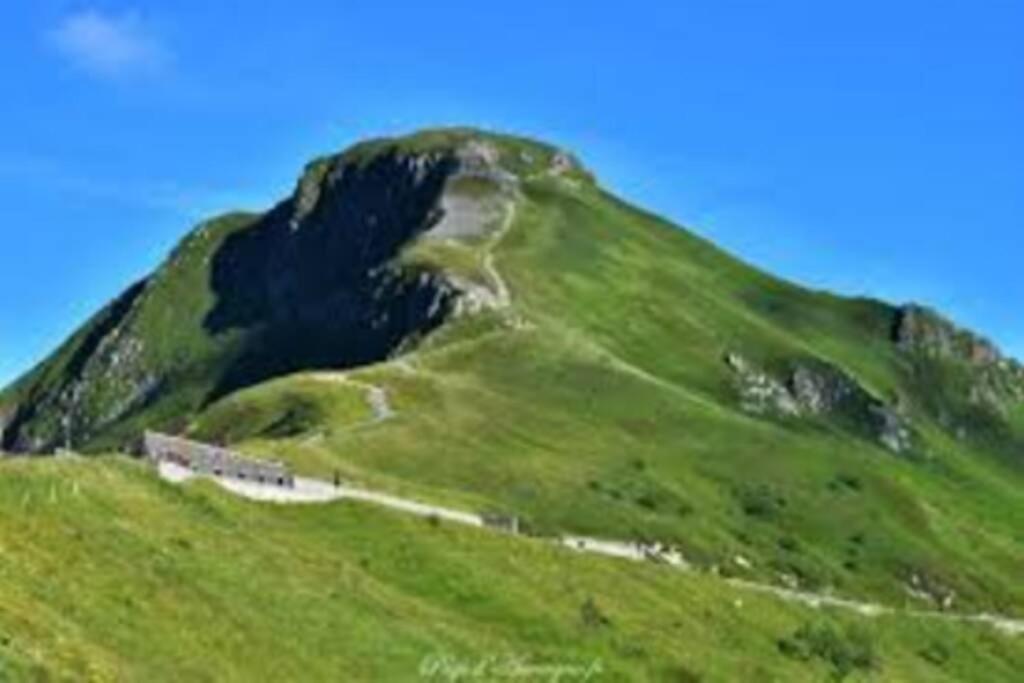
[
  {"x": 165, "y": 311},
  {"x": 611, "y": 412},
  {"x": 110, "y": 574},
  {"x": 600, "y": 402}
]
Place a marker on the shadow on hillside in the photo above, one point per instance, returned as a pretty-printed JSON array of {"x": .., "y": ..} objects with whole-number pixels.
[{"x": 317, "y": 290}]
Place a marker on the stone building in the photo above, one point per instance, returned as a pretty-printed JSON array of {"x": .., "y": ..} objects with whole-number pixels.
[{"x": 212, "y": 460}]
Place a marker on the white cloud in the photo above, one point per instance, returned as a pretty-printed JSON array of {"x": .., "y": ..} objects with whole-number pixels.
[{"x": 107, "y": 45}]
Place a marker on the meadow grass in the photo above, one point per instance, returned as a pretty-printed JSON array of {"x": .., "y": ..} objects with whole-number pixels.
[
  {"x": 111, "y": 574},
  {"x": 611, "y": 412},
  {"x": 598, "y": 403}
]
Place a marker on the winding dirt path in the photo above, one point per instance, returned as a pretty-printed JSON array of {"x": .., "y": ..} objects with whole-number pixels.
[
  {"x": 502, "y": 294},
  {"x": 377, "y": 397},
  {"x": 501, "y": 297},
  {"x": 307, "y": 490}
]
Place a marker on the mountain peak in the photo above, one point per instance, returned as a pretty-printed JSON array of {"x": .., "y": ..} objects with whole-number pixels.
[
  {"x": 384, "y": 244},
  {"x": 331, "y": 277},
  {"x": 472, "y": 147}
]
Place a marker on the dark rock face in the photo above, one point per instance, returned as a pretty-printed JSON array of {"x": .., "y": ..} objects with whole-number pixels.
[
  {"x": 11, "y": 422},
  {"x": 105, "y": 362},
  {"x": 823, "y": 389},
  {"x": 314, "y": 284}
]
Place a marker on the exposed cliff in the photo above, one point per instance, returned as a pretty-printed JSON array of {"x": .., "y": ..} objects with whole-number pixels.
[{"x": 960, "y": 378}]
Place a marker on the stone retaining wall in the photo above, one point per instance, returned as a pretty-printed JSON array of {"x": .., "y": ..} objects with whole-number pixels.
[{"x": 213, "y": 460}]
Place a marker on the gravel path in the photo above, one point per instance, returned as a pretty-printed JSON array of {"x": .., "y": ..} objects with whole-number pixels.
[
  {"x": 316, "y": 491},
  {"x": 307, "y": 490},
  {"x": 502, "y": 294},
  {"x": 376, "y": 396}
]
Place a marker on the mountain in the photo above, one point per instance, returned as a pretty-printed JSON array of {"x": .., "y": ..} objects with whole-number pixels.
[{"x": 470, "y": 317}]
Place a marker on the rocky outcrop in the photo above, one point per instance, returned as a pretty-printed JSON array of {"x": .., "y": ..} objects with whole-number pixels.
[
  {"x": 952, "y": 375},
  {"x": 892, "y": 428},
  {"x": 102, "y": 380},
  {"x": 760, "y": 392},
  {"x": 921, "y": 330},
  {"x": 990, "y": 380},
  {"x": 925, "y": 587},
  {"x": 822, "y": 388},
  {"x": 813, "y": 388}
]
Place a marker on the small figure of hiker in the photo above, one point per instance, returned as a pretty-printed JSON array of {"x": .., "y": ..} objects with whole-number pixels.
[{"x": 337, "y": 479}]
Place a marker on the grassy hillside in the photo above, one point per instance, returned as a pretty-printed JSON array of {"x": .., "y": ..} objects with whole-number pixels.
[
  {"x": 639, "y": 383},
  {"x": 109, "y": 574},
  {"x": 600, "y": 403}
]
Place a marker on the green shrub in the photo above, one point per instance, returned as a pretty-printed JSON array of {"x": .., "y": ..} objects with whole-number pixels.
[
  {"x": 761, "y": 501},
  {"x": 844, "y": 651},
  {"x": 790, "y": 544},
  {"x": 936, "y": 653},
  {"x": 592, "y": 616}
]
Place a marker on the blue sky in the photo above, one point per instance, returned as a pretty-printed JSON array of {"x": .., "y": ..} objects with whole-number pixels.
[{"x": 871, "y": 147}]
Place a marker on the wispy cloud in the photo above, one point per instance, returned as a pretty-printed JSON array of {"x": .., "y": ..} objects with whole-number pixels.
[{"x": 109, "y": 45}]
